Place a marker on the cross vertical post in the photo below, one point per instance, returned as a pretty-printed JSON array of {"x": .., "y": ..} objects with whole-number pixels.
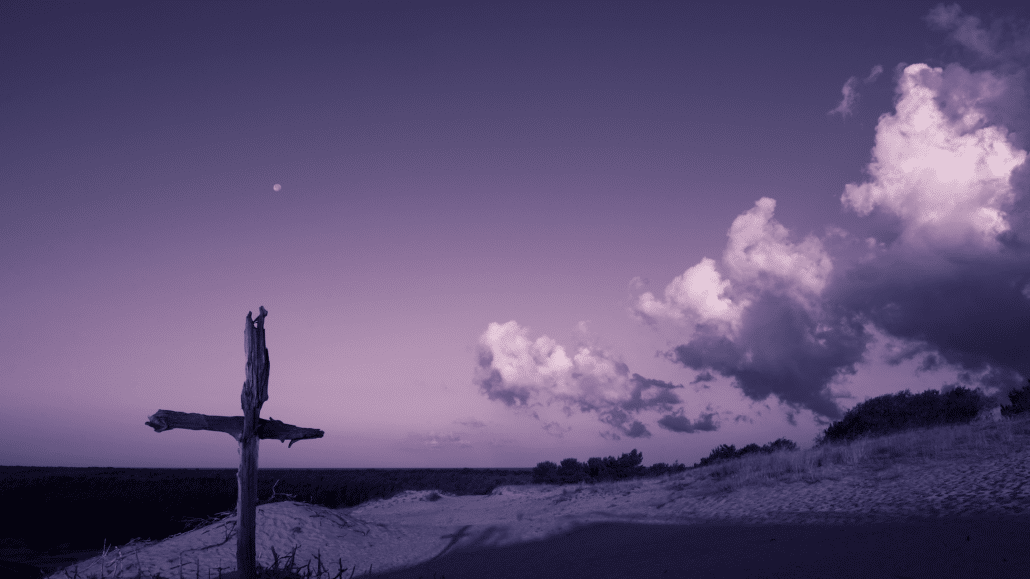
[
  {"x": 255, "y": 393},
  {"x": 247, "y": 430}
]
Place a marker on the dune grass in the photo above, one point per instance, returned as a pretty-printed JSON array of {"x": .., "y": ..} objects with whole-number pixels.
[{"x": 976, "y": 441}]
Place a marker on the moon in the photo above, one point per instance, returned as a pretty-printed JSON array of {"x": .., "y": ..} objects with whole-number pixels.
[{"x": 277, "y": 187}]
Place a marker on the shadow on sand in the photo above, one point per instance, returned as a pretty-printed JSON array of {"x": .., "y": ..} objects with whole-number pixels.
[{"x": 916, "y": 549}]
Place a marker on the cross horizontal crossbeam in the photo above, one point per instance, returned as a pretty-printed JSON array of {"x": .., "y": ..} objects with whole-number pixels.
[{"x": 270, "y": 429}]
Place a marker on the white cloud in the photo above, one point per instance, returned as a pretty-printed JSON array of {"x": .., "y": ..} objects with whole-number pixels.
[
  {"x": 945, "y": 175},
  {"x": 758, "y": 248},
  {"x": 523, "y": 372},
  {"x": 698, "y": 295},
  {"x": 544, "y": 370},
  {"x": 758, "y": 258}
]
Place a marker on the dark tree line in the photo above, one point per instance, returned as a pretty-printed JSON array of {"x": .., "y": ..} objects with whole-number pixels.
[{"x": 599, "y": 469}]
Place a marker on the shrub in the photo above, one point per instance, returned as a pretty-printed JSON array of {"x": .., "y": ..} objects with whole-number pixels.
[
  {"x": 628, "y": 465},
  {"x": 1020, "y": 399},
  {"x": 728, "y": 451},
  {"x": 892, "y": 413},
  {"x": 782, "y": 444},
  {"x": 571, "y": 471},
  {"x": 611, "y": 468},
  {"x": 545, "y": 473}
]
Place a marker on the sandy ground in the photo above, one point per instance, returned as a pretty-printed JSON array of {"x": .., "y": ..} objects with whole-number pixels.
[
  {"x": 916, "y": 518},
  {"x": 411, "y": 528},
  {"x": 426, "y": 532}
]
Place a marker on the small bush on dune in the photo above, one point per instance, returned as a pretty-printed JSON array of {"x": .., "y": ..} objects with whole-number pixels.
[
  {"x": 545, "y": 472},
  {"x": 1020, "y": 399}
]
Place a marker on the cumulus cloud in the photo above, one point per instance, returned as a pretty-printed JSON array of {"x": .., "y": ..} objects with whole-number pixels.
[
  {"x": 762, "y": 320},
  {"x": 700, "y": 294},
  {"x": 946, "y": 176},
  {"x": 528, "y": 373},
  {"x": 945, "y": 273},
  {"x": 759, "y": 255},
  {"x": 850, "y": 92},
  {"x": 758, "y": 259},
  {"x": 782, "y": 349},
  {"x": 948, "y": 280},
  {"x": 952, "y": 282}
]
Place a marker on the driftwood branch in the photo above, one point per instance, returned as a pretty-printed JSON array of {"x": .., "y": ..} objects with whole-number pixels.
[
  {"x": 278, "y": 430},
  {"x": 163, "y": 420}
]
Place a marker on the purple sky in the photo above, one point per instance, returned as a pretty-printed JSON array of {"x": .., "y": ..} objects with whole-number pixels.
[{"x": 505, "y": 232}]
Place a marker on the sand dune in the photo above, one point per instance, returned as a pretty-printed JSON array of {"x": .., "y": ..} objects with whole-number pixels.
[{"x": 418, "y": 527}]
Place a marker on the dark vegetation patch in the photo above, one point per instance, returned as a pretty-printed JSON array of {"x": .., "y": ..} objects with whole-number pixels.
[
  {"x": 894, "y": 413},
  {"x": 598, "y": 469},
  {"x": 728, "y": 451}
]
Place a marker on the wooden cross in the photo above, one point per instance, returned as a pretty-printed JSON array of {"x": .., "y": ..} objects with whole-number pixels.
[{"x": 246, "y": 429}]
